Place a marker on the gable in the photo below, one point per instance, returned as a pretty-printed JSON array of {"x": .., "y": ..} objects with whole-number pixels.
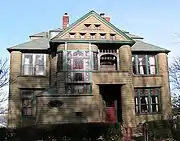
[{"x": 92, "y": 26}]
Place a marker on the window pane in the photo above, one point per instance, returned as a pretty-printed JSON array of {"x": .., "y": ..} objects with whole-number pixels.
[
  {"x": 77, "y": 63},
  {"x": 154, "y": 100},
  {"x": 142, "y": 64},
  {"x": 78, "y": 88},
  {"x": 134, "y": 65},
  {"x": 78, "y": 53},
  {"x": 152, "y": 64},
  {"x": 78, "y": 77},
  {"x": 87, "y": 64},
  {"x": 95, "y": 61},
  {"x": 39, "y": 65},
  {"x": 26, "y": 102},
  {"x": 27, "y": 111},
  {"x": 144, "y": 104},
  {"x": 60, "y": 61},
  {"x": 155, "y": 108},
  {"x": 28, "y": 65}
]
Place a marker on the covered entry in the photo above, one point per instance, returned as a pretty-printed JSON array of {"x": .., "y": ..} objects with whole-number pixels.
[{"x": 111, "y": 96}]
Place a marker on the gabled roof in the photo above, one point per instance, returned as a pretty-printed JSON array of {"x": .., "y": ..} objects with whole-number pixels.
[
  {"x": 92, "y": 13},
  {"x": 36, "y": 44},
  {"x": 141, "y": 46}
]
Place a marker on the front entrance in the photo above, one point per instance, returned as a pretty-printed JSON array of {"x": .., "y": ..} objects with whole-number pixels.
[{"x": 111, "y": 96}]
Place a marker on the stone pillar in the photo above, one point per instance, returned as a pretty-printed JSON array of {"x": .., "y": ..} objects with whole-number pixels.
[
  {"x": 127, "y": 90},
  {"x": 165, "y": 89},
  {"x": 14, "y": 113}
]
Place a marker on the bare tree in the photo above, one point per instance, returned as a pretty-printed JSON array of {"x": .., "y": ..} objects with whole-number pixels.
[
  {"x": 174, "y": 74},
  {"x": 4, "y": 78}
]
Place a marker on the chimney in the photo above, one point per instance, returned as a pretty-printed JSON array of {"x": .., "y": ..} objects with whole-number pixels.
[
  {"x": 107, "y": 18},
  {"x": 65, "y": 20}
]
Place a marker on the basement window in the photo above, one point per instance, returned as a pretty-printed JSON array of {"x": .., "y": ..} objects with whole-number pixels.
[
  {"x": 55, "y": 104},
  {"x": 79, "y": 114}
]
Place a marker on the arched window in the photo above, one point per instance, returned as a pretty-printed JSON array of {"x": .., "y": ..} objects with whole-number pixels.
[{"x": 108, "y": 62}]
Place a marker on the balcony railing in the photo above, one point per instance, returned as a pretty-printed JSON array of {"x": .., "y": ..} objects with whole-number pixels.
[{"x": 33, "y": 70}]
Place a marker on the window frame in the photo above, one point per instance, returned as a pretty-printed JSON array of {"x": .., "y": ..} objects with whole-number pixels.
[
  {"x": 27, "y": 97},
  {"x": 137, "y": 101},
  {"x": 33, "y": 64},
  {"x": 135, "y": 66}
]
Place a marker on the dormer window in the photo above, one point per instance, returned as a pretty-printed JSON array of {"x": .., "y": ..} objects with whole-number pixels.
[
  {"x": 82, "y": 35},
  {"x": 113, "y": 36},
  {"x": 87, "y": 26},
  {"x": 92, "y": 35},
  {"x": 103, "y": 35},
  {"x": 97, "y": 26},
  {"x": 72, "y": 35}
]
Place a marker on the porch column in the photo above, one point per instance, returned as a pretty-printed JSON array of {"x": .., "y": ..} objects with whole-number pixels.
[
  {"x": 127, "y": 90},
  {"x": 165, "y": 89}
]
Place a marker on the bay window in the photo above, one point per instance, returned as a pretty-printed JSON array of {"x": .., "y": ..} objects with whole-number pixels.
[
  {"x": 147, "y": 100},
  {"x": 77, "y": 68},
  {"x": 144, "y": 64},
  {"x": 34, "y": 64}
]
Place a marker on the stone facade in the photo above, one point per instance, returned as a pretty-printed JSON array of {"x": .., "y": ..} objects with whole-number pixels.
[{"x": 85, "y": 108}]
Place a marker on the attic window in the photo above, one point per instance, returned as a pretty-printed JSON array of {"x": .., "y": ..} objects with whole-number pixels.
[
  {"x": 55, "y": 104},
  {"x": 87, "y": 26},
  {"x": 92, "y": 35},
  {"x": 82, "y": 35},
  {"x": 113, "y": 36},
  {"x": 72, "y": 35},
  {"x": 103, "y": 35},
  {"x": 97, "y": 26}
]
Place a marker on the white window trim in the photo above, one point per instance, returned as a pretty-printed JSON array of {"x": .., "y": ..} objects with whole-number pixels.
[{"x": 34, "y": 57}]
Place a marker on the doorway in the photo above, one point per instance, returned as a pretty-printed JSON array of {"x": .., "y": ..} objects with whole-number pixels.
[{"x": 111, "y": 96}]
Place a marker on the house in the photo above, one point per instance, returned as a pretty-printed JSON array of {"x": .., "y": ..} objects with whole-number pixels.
[{"x": 88, "y": 72}]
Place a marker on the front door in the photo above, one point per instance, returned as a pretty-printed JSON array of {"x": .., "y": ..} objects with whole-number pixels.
[{"x": 111, "y": 112}]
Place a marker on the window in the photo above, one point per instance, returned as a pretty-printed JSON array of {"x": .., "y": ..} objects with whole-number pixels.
[
  {"x": 82, "y": 35},
  {"x": 72, "y": 35},
  {"x": 103, "y": 35},
  {"x": 26, "y": 99},
  {"x": 95, "y": 60},
  {"x": 78, "y": 72},
  {"x": 147, "y": 100},
  {"x": 87, "y": 26},
  {"x": 78, "y": 88},
  {"x": 34, "y": 64},
  {"x": 144, "y": 64},
  {"x": 92, "y": 35},
  {"x": 108, "y": 62},
  {"x": 60, "y": 61},
  {"x": 113, "y": 36},
  {"x": 55, "y": 104},
  {"x": 97, "y": 26}
]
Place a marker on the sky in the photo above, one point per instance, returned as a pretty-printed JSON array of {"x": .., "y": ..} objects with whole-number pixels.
[{"x": 158, "y": 21}]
